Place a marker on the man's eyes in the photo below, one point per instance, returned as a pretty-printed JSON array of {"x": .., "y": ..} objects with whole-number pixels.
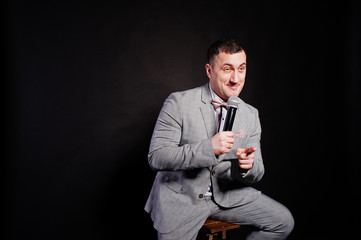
[{"x": 227, "y": 69}]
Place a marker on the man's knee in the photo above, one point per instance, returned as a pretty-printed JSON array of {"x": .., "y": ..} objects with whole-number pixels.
[{"x": 287, "y": 223}]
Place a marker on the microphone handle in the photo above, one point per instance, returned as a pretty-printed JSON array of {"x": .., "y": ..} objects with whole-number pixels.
[{"x": 228, "y": 123}]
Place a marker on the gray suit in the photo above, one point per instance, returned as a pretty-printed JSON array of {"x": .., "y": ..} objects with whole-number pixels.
[{"x": 182, "y": 153}]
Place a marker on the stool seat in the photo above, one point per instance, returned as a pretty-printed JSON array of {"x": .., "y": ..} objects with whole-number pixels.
[{"x": 212, "y": 227}]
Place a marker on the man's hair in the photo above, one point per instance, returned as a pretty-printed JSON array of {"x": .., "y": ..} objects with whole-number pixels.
[{"x": 229, "y": 46}]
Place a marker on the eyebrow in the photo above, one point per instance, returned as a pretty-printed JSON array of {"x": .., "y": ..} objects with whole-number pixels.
[{"x": 231, "y": 65}]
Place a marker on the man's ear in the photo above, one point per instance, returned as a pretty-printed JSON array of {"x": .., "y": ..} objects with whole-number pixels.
[{"x": 208, "y": 70}]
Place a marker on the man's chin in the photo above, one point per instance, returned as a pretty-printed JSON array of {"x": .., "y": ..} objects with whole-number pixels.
[{"x": 234, "y": 93}]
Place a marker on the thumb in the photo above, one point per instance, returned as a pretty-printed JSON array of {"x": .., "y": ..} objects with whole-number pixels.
[
  {"x": 239, "y": 151},
  {"x": 250, "y": 150}
]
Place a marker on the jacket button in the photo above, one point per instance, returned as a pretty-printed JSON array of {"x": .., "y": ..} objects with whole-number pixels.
[
  {"x": 200, "y": 195},
  {"x": 213, "y": 172}
]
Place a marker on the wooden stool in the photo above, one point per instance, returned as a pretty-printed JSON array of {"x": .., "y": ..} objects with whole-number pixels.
[{"x": 213, "y": 227}]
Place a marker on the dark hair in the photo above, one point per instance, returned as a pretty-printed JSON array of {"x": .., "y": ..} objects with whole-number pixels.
[{"x": 224, "y": 45}]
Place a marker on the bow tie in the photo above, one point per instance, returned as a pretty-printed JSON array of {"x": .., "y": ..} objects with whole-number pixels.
[{"x": 216, "y": 102}]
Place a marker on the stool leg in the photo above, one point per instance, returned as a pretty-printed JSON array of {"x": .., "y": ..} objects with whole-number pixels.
[{"x": 224, "y": 235}]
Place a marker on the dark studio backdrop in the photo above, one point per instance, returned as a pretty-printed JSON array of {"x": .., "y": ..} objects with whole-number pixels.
[{"x": 85, "y": 82}]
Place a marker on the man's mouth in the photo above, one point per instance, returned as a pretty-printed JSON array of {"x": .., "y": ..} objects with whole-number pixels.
[{"x": 233, "y": 86}]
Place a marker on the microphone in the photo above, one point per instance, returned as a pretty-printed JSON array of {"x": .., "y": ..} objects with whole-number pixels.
[
  {"x": 233, "y": 102},
  {"x": 236, "y": 171}
]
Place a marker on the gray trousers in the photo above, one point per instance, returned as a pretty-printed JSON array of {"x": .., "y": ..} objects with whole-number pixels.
[{"x": 271, "y": 219}]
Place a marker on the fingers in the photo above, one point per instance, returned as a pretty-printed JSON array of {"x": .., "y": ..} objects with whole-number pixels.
[
  {"x": 250, "y": 150},
  {"x": 226, "y": 136},
  {"x": 246, "y": 164},
  {"x": 227, "y": 140},
  {"x": 245, "y": 151},
  {"x": 222, "y": 142},
  {"x": 245, "y": 157},
  {"x": 228, "y": 133}
]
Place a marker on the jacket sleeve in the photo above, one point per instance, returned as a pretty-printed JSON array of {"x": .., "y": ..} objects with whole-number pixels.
[
  {"x": 165, "y": 151},
  {"x": 257, "y": 171}
]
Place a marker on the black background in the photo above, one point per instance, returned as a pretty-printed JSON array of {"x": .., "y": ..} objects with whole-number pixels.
[{"x": 85, "y": 82}]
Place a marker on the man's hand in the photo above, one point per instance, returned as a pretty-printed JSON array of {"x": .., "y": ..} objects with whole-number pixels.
[
  {"x": 222, "y": 142},
  {"x": 245, "y": 157}
]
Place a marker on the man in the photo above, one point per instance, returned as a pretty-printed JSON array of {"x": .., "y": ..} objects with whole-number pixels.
[{"x": 194, "y": 158}]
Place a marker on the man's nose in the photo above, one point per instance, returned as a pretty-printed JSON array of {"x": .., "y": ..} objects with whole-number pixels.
[{"x": 236, "y": 77}]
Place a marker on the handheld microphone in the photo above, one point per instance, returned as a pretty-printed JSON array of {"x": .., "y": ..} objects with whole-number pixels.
[
  {"x": 236, "y": 171},
  {"x": 233, "y": 102}
]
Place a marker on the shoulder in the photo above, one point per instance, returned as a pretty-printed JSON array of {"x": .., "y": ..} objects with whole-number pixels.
[
  {"x": 183, "y": 95},
  {"x": 179, "y": 103},
  {"x": 185, "y": 98},
  {"x": 245, "y": 107}
]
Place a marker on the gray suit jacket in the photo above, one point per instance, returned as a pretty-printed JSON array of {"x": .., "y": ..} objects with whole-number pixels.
[{"x": 181, "y": 152}]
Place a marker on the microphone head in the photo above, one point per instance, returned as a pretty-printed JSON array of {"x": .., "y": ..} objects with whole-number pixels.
[{"x": 233, "y": 101}]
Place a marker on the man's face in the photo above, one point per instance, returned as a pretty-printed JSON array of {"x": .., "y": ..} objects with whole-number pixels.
[{"x": 227, "y": 73}]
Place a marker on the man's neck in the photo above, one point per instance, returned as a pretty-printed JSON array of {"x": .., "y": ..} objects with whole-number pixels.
[{"x": 214, "y": 94}]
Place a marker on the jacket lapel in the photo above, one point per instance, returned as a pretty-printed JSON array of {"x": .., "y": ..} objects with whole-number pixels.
[{"x": 208, "y": 111}]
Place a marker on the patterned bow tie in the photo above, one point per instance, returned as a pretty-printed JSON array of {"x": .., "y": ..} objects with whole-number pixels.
[{"x": 216, "y": 102}]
